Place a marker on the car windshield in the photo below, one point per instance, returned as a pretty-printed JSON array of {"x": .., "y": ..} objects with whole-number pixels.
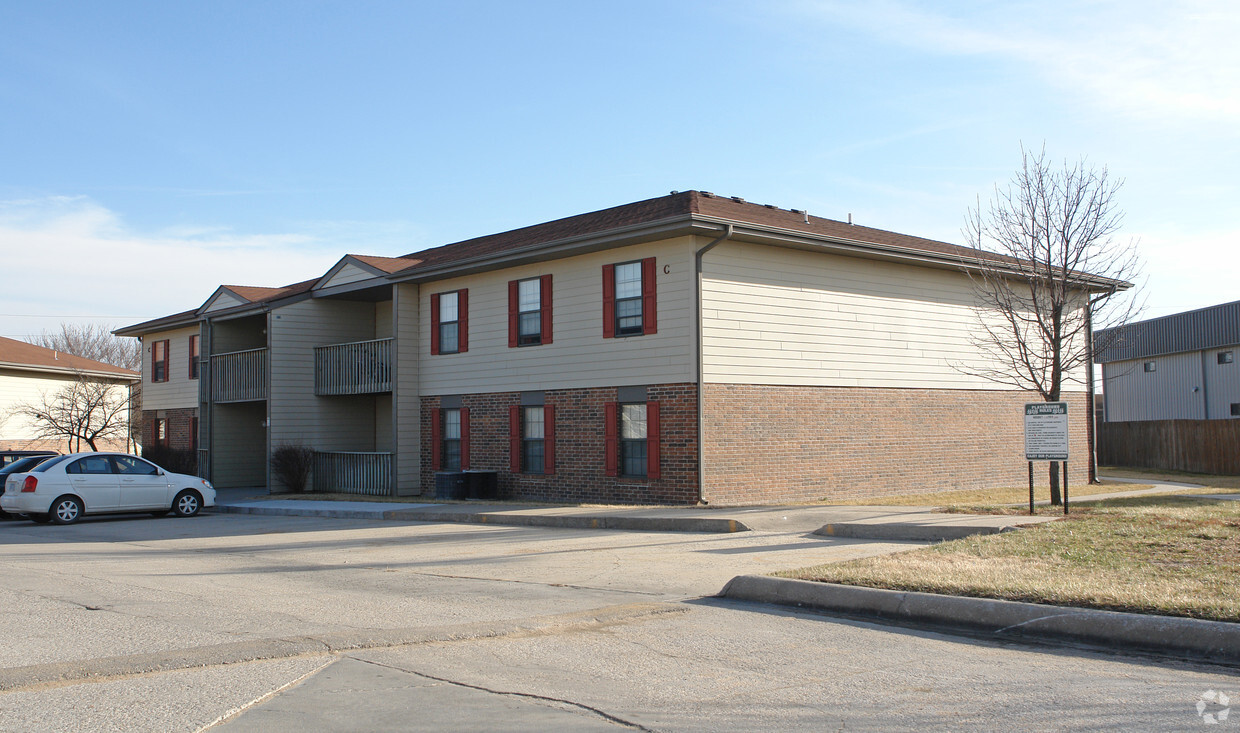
[
  {"x": 22, "y": 465},
  {"x": 49, "y": 463}
]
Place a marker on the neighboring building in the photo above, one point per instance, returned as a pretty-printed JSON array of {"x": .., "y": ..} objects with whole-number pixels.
[
  {"x": 29, "y": 374},
  {"x": 1178, "y": 367},
  {"x": 681, "y": 349}
]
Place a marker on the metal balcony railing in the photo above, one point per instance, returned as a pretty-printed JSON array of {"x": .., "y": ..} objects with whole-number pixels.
[
  {"x": 240, "y": 376},
  {"x": 353, "y": 473},
  {"x": 360, "y": 367}
]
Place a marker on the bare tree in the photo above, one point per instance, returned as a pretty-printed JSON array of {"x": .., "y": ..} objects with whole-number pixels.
[
  {"x": 1062, "y": 267},
  {"x": 92, "y": 341},
  {"x": 84, "y": 410}
]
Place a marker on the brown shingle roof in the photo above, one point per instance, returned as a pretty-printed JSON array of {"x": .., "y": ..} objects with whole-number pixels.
[
  {"x": 20, "y": 353},
  {"x": 255, "y": 294},
  {"x": 681, "y": 204},
  {"x": 388, "y": 264}
]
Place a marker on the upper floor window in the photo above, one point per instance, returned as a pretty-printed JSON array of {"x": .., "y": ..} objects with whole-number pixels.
[
  {"x": 193, "y": 357},
  {"x": 629, "y": 291},
  {"x": 159, "y": 361},
  {"x": 1150, "y": 366},
  {"x": 1224, "y": 357},
  {"x": 450, "y": 322},
  {"x": 529, "y": 311}
]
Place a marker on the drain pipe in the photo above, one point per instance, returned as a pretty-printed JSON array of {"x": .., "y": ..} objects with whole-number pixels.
[{"x": 697, "y": 279}]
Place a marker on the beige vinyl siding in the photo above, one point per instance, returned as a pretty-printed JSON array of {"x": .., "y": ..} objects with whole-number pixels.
[
  {"x": 344, "y": 423},
  {"x": 383, "y": 319},
  {"x": 222, "y": 301},
  {"x": 179, "y": 391},
  {"x": 789, "y": 317},
  {"x": 407, "y": 402},
  {"x": 347, "y": 274},
  {"x": 578, "y": 356}
]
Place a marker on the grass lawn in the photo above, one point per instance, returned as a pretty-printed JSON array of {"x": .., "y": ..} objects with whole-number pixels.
[{"x": 1161, "y": 554}]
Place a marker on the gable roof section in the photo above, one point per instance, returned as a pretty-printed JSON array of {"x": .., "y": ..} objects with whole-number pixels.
[
  {"x": 163, "y": 323},
  {"x": 685, "y": 206},
  {"x": 352, "y": 269},
  {"x": 20, "y": 355}
]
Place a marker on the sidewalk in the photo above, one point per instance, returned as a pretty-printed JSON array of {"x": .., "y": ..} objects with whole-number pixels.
[{"x": 920, "y": 524}]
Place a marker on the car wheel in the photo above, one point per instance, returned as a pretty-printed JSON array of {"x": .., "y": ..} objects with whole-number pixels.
[
  {"x": 66, "y": 510},
  {"x": 187, "y": 503},
  {"x": 40, "y": 518}
]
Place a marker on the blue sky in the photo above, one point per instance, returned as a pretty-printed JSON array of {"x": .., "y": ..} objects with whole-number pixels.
[{"x": 154, "y": 150}]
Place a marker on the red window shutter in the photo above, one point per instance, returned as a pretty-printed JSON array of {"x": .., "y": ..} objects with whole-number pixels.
[
  {"x": 609, "y": 301},
  {"x": 544, "y": 292},
  {"x": 464, "y": 438},
  {"x": 652, "y": 440},
  {"x": 434, "y": 323},
  {"x": 514, "y": 438},
  {"x": 549, "y": 439},
  {"x": 512, "y": 314},
  {"x": 649, "y": 321},
  {"x": 611, "y": 441},
  {"x": 463, "y": 305},
  {"x": 436, "y": 439}
]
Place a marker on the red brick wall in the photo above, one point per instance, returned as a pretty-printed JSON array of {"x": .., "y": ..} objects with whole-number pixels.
[
  {"x": 180, "y": 436},
  {"x": 579, "y": 451},
  {"x": 766, "y": 444}
]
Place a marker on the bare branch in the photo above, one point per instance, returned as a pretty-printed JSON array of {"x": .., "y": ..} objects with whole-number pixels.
[{"x": 92, "y": 341}]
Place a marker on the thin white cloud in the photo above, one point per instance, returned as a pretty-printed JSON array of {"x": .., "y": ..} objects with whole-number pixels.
[
  {"x": 1165, "y": 61},
  {"x": 70, "y": 259},
  {"x": 1189, "y": 271}
]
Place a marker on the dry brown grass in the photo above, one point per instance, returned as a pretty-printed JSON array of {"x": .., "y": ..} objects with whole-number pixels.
[
  {"x": 1159, "y": 554},
  {"x": 1005, "y": 495}
]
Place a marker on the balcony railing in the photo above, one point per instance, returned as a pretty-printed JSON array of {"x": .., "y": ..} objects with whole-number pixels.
[
  {"x": 353, "y": 473},
  {"x": 240, "y": 376},
  {"x": 361, "y": 367}
]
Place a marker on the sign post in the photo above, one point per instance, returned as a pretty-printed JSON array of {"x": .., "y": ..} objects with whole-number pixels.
[{"x": 1046, "y": 439}]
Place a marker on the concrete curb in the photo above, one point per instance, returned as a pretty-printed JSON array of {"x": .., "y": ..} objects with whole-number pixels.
[
  {"x": 1183, "y": 638},
  {"x": 580, "y": 521},
  {"x": 574, "y": 521},
  {"x": 898, "y": 531},
  {"x": 57, "y": 674}
]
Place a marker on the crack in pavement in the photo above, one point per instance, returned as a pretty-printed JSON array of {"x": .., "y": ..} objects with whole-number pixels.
[
  {"x": 61, "y": 674},
  {"x": 512, "y": 693}
]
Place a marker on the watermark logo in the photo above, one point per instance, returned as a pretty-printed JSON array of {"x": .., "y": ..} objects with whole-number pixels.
[{"x": 1213, "y": 707}]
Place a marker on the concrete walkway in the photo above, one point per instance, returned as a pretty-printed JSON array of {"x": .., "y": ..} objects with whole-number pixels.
[{"x": 922, "y": 524}]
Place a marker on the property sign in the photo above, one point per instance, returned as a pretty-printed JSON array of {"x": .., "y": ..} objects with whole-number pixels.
[{"x": 1046, "y": 431}]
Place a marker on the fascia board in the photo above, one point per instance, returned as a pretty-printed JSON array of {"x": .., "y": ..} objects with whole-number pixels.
[{"x": 68, "y": 370}]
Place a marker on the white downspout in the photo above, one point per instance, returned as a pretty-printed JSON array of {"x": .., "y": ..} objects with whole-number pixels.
[{"x": 697, "y": 267}]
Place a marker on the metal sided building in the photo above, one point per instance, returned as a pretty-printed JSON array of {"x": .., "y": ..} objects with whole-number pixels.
[{"x": 1177, "y": 367}]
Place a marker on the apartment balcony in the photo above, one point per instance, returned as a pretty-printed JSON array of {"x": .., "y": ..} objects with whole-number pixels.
[
  {"x": 240, "y": 376},
  {"x": 353, "y": 473},
  {"x": 360, "y": 367}
]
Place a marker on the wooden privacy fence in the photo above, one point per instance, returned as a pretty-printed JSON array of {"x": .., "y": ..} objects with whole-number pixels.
[{"x": 1200, "y": 446}]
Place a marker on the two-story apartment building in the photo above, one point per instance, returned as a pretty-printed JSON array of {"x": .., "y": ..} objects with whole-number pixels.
[{"x": 686, "y": 348}]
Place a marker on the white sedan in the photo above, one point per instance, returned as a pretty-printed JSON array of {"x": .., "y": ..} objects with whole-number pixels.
[{"x": 63, "y": 488}]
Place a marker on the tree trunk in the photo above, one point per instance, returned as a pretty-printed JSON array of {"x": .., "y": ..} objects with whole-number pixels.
[{"x": 1056, "y": 499}]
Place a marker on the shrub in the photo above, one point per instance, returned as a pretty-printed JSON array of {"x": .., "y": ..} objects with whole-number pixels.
[
  {"x": 172, "y": 459},
  {"x": 291, "y": 466}
]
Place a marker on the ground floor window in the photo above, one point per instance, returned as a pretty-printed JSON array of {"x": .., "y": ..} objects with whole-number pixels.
[
  {"x": 452, "y": 440},
  {"x": 533, "y": 435},
  {"x": 633, "y": 436}
]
